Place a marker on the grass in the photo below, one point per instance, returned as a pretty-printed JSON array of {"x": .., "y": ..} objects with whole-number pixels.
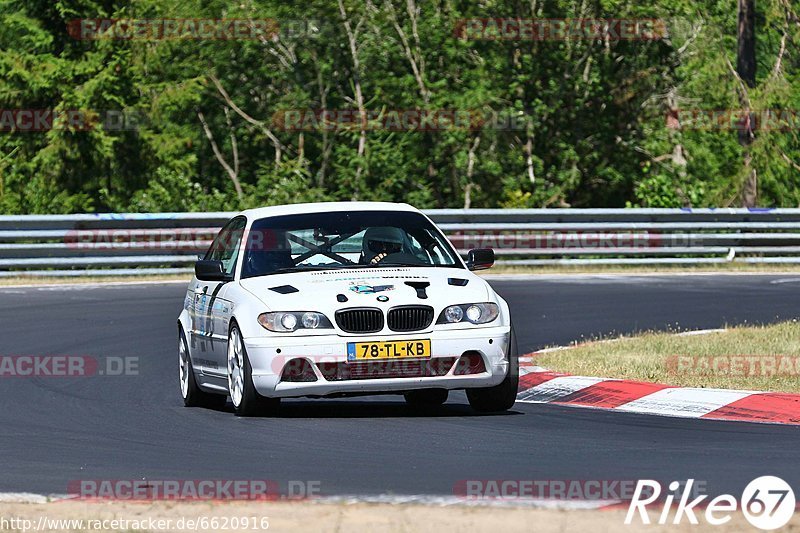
[{"x": 764, "y": 358}]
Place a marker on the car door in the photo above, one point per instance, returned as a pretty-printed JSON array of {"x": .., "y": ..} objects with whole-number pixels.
[{"x": 212, "y": 308}]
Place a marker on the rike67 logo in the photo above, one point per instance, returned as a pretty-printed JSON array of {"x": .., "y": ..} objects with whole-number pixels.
[{"x": 768, "y": 503}]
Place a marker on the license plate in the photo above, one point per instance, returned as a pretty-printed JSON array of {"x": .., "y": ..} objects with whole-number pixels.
[{"x": 377, "y": 351}]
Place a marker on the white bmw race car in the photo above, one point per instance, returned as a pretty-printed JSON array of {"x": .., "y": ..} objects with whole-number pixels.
[{"x": 342, "y": 299}]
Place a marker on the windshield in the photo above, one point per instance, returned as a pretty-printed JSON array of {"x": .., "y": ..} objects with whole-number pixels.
[{"x": 358, "y": 239}]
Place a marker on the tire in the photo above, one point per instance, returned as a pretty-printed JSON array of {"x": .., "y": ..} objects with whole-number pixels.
[
  {"x": 426, "y": 398},
  {"x": 500, "y": 397},
  {"x": 192, "y": 394},
  {"x": 245, "y": 398}
]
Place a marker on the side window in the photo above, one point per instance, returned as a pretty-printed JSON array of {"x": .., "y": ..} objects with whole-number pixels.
[{"x": 225, "y": 247}]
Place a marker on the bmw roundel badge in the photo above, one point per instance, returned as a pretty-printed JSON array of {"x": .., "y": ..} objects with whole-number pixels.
[{"x": 383, "y": 298}]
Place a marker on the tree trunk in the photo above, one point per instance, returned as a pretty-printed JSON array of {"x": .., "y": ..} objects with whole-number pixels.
[
  {"x": 746, "y": 68},
  {"x": 362, "y": 139},
  {"x": 746, "y": 38}
]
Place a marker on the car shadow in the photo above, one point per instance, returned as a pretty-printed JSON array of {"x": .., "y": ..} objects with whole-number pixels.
[
  {"x": 366, "y": 406},
  {"x": 353, "y": 408}
]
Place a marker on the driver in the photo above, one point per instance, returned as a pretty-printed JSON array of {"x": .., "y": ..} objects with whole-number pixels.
[{"x": 380, "y": 242}]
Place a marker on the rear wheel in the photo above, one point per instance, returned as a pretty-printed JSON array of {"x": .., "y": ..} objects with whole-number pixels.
[
  {"x": 245, "y": 398},
  {"x": 193, "y": 395},
  {"x": 500, "y": 397},
  {"x": 426, "y": 398}
]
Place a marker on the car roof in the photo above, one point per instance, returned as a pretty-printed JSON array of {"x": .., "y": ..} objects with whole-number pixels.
[{"x": 324, "y": 207}]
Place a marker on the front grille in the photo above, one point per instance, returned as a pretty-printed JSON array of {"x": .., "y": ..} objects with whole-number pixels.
[
  {"x": 410, "y": 317},
  {"x": 387, "y": 369},
  {"x": 361, "y": 320}
]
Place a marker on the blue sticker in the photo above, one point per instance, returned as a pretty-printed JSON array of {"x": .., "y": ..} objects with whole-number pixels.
[{"x": 370, "y": 289}]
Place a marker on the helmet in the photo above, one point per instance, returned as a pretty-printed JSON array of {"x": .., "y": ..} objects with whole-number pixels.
[{"x": 383, "y": 240}]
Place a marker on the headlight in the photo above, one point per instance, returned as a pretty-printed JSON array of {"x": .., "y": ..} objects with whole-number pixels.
[
  {"x": 288, "y": 321},
  {"x": 473, "y": 313},
  {"x": 310, "y": 320},
  {"x": 453, "y": 314}
]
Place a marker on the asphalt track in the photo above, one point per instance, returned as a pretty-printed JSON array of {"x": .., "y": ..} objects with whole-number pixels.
[{"x": 56, "y": 430}]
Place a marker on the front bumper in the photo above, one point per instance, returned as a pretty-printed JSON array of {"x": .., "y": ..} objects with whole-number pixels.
[{"x": 269, "y": 355}]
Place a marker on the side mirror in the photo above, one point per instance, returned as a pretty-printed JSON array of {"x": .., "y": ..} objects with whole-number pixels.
[
  {"x": 210, "y": 271},
  {"x": 480, "y": 259}
]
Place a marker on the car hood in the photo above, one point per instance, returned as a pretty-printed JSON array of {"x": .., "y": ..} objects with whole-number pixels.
[{"x": 323, "y": 291}]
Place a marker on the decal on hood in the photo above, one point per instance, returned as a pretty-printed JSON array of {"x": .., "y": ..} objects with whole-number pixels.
[
  {"x": 370, "y": 289},
  {"x": 420, "y": 287},
  {"x": 362, "y": 280}
]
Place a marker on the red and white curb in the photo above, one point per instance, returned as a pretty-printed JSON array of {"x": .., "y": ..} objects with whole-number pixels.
[{"x": 539, "y": 385}]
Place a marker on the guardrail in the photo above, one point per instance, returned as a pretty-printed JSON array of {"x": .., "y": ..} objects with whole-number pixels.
[{"x": 167, "y": 243}]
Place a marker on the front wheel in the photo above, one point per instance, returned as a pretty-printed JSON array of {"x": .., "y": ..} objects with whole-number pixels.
[
  {"x": 246, "y": 400},
  {"x": 500, "y": 397},
  {"x": 192, "y": 395}
]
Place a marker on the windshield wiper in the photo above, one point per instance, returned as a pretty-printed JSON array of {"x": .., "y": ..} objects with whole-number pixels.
[{"x": 354, "y": 266}]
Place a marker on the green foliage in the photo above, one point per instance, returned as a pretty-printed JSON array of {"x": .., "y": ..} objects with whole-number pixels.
[
  {"x": 286, "y": 183},
  {"x": 583, "y": 123},
  {"x": 171, "y": 192}
]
